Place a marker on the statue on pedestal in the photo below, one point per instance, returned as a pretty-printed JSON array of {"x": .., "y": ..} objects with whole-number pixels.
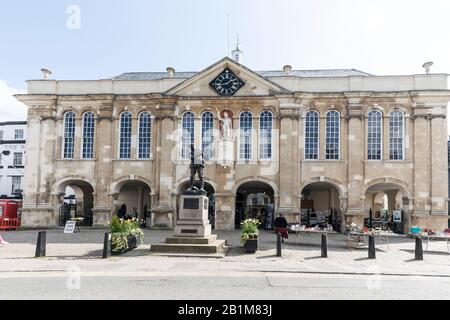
[
  {"x": 226, "y": 125},
  {"x": 197, "y": 166}
]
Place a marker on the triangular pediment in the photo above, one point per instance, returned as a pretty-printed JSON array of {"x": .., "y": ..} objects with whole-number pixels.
[{"x": 199, "y": 85}]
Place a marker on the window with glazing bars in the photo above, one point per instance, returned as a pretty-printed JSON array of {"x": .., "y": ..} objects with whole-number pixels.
[
  {"x": 332, "y": 135},
  {"x": 265, "y": 135},
  {"x": 396, "y": 135},
  {"x": 18, "y": 159},
  {"x": 208, "y": 135},
  {"x": 69, "y": 135},
  {"x": 145, "y": 135},
  {"x": 125, "y": 136},
  {"x": 245, "y": 135},
  {"x": 374, "y": 135},
  {"x": 88, "y": 135},
  {"x": 312, "y": 135},
  {"x": 187, "y": 135}
]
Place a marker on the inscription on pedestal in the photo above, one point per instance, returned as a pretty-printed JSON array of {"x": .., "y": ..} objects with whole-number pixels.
[
  {"x": 188, "y": 231},
  {"x": 190, "y": 203}
]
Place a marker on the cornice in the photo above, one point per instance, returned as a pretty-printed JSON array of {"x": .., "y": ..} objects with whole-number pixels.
[{"x": 428, "y": 116}]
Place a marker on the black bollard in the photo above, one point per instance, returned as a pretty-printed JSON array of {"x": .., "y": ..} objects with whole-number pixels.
[
  {"x": 372, "y": 247},
  {"x": 41, "y": 244},
  {"x": 324, "y": 246},
  {"x": 106, "y": 247},
  {"x": 419, "y": 250},
  {"x": 278, "y": 245}
]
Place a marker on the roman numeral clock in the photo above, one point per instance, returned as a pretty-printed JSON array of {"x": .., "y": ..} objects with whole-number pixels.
[{"x": 227, "y": 83}]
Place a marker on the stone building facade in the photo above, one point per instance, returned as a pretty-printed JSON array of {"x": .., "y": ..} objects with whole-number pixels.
[{"x": 338, "y": 138}]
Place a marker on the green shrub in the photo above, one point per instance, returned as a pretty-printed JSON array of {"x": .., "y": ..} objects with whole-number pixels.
[{"x": 249, "y": 229}]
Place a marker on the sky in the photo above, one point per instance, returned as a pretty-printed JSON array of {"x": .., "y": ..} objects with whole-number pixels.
[{"x": 115, "y": 36}]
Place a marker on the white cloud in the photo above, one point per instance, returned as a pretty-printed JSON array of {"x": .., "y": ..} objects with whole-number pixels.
[{"x": 10, "y": 108}]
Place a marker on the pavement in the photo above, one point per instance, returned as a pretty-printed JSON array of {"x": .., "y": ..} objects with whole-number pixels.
[{"x": 299, "y": 255}]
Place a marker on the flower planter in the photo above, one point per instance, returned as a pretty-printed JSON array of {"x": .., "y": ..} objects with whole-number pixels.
[
  {"x": 251, "y": 246},
  {"x": 132, "y": 244}
]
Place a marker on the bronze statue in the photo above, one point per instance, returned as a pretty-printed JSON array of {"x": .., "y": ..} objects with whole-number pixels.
[{"x": 197, "y": 166}]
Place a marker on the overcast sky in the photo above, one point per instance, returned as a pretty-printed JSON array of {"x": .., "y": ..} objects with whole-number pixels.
[{"x": 115, "y": 36}]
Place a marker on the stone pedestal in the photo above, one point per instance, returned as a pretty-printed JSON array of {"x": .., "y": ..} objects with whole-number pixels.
[
  {"x": 192, "y": 218},
  {"x": 192, "y": 234}
]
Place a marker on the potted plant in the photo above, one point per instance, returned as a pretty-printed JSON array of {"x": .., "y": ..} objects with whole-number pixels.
[
  {"x": 249, "y": 234},
  {"x": 126, "y": 235}
]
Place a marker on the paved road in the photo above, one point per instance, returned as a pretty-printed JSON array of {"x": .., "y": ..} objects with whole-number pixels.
[{"x": 219, "y": 285}]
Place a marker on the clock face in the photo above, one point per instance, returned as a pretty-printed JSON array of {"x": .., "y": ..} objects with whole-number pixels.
[{"x": 227, "y": 83}]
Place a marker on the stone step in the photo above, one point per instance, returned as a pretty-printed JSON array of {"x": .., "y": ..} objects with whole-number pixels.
[
  {"x": 215, "y": 247},
  {"x": 192, "y": 240}
]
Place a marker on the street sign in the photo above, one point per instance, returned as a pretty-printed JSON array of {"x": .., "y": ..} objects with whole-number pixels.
[{"x": 70, "y": 227}]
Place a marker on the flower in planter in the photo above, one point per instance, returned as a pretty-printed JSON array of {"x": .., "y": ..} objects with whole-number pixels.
[
  {"x": 122, "y": 230},
  {"x": 249, "y": 230}
]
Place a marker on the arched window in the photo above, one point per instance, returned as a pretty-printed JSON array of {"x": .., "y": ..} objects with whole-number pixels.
[
  {"x": 333, "y": 135},
  {"x": 125, "y": 136},
  {"x": 265, "y": 135},
  {"x": 245, "y": 135},
  {"x": 88, "y": 135},
  {"x": 374, "y": 134},
  {"x": 208, "y": 135},
  {"x": 187, "y": 135},
  {"x": 312, "y": 135},
  {"x": 69, "y": 135},
  {"x": 145, "y": 135},
  {"x": 396, "y": 135}
]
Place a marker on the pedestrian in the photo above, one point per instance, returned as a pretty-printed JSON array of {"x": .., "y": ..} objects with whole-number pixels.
[
  {"x": 123, "y": 212},
  {"x": 2, "y": 241},
  {"x": 281, "y": 227}
]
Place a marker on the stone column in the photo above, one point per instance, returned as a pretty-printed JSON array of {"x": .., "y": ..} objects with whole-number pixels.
[
  {"x": 78, "y": 137},
  {"x": 105, "y": 140},
  {"x": 162, "y": 208},
  {"x": 225, "y": 211},
  {"x": 439, "y": 171},
  {"x": 391, "y": 195},
  {"x": 356, "y": 156},
  {"x": 422, "y": 179},
  {"x": 289, "y": 175}
]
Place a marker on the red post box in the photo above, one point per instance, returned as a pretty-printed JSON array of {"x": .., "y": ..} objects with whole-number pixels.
[{"x": 10, "y": 211}]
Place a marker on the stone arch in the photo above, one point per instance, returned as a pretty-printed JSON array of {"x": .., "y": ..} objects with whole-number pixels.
[
  {"x": 80, "y": 204},
  {"x": 60, "y": 185},
  {"x": 257, "y": 112},
  {"x": 403, "y": 186},
  {"x": 311, "y": 109},
  {"x": 376, "y": 107},
  {"x": 120, "y": 182},
  {"x": 181, "y": 182},
  {"x": 240, "y": 182},
  {"x": 336, "y": 183}
]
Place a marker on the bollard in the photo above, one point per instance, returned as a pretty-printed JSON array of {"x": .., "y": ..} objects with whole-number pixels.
[
  {"x": 41, "y": 244},
  {"x": 418, "y": 251},
  {"x": 278, "y": 245},
  {"x": 106, "y": 247},
  {"x": 372, "y": 247},
  {"x": 324, "y": 246}
]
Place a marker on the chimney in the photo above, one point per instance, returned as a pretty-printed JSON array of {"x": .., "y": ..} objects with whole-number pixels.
[
  {"x": 287, "y": 69},
  {"x": 170, "y": 71}
]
